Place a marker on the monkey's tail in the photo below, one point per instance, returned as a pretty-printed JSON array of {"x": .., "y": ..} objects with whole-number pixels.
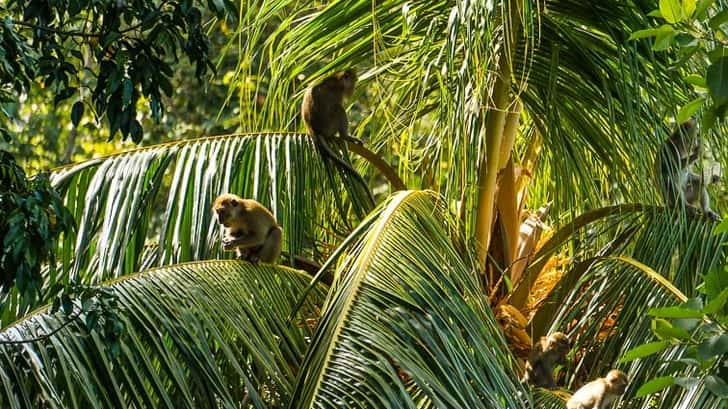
[{"x": 324, "y": 145}]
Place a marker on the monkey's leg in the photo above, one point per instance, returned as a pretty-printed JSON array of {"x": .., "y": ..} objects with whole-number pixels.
[
  {"x": 705, "y": 205},
  {"x": 271, "y": 248}
]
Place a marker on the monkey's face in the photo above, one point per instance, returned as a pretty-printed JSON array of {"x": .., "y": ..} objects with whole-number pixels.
[
  {"x": 227, "y": 208},
  {"x": 559, "y": 343},
  {"x": 347, "y": 80},
  {"x": 617, "y": 381}
]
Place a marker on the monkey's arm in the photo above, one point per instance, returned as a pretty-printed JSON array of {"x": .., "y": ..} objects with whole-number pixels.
[{"x": 248, "y": 240}]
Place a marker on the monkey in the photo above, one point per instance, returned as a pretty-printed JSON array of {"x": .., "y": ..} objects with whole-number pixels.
[
  {"x": 678, "y": 185},
  {"x": 696, "y": 194},
  {"x": 546, "y": 353},
  {"x": 250, "y": 228},
  {"x": 324, "y": 115},
  {"x": 599, "y": 393}
]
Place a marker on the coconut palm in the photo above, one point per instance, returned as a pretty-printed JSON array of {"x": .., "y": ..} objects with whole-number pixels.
[{"x": 488, "y": 109}]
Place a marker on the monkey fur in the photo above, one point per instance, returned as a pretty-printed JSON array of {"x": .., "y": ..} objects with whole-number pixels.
[
  {"x": 250, "y": 229},
  {"x": 599, "y": 393},
  {"x": 324, "y": 114},
  {"x": 545, "y": 354},
  {"x": 679, "y": 186}
]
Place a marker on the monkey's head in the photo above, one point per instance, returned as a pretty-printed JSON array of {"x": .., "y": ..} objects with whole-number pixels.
[
  {"x": 347, "y": 81},
  {"x": 228, "y": 208},
  {"x": 617, "y": 381},
  {"x": 559, "y": 343},
  {"x": 686, "y": 137}
]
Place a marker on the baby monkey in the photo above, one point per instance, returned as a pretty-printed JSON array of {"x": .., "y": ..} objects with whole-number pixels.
[
  {"x": 600, "y": 393},
  {"x": 545, "y": 354},
  {"x": 679, "y": 186},
  {"x": 250, "y": 229}
]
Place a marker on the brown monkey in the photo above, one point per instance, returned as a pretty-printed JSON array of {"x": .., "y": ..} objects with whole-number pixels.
[
  {"x": 324, "y": 115},
  {"x": 546, "y": 353},
  {"x": 250, "y": 228},
  {"x": 600, "y": 393},
  {"x": 323, "y": 106},
  {"x": 678, "y": 185}
]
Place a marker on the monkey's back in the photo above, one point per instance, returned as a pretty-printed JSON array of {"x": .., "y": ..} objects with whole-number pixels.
[
  {"x": 320, "y": 107},
  {"x": 585, "y": 397}
]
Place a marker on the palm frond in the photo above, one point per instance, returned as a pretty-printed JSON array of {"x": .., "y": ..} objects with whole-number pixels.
[
  {"x": 406, "y": 324},
  {"x": 204, "y": 335},
  {"x": 113, "y": 199},
  {"x": 602, "y": 304},
  {"x": 152, "y": 206}
]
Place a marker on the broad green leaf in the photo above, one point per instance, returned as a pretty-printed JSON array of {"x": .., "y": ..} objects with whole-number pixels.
[
  {"x": 644, "y": 350},
  {"x": 655, "y": 385},
  {"x": 713, "y": 346},
  {"x": 718, "y": 20},
  {"x": 688, "y": 8},
  {"x": 664, "y": 39},
  {"x": 717, "y": 79},
  {"x": 665, "y": 330},
  {"x": 689, "y": 109},
  {"x": 696, "y": 80},
  {"x": 648, "y": 32},
  {"x": 675, "y": 312},
  {"x": 717, "y": 386},
  {"x": 671, "y": 10},
  {"x": 702, "y": 7},
  {"x": 718, "y": 303}
]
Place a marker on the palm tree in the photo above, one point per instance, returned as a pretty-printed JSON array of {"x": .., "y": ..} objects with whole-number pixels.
[{"x": 491, "y": 108}]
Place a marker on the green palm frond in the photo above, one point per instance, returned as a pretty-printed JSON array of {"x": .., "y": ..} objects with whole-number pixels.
[
  {"x": 602, "y": 304},
  {"x": 114, "y": 200},
  {"x": 550, "y": 399},
  {"x": 406, "y": 324},
  {"x": 197, "y": 335}
]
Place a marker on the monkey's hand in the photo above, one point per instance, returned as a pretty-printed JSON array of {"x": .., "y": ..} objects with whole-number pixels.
[
  {"x": 250, "y": 240},
  {"x": 254, "y": 258},
  {"x": 228, "y": 244},
  {"x": 710, "y": 214}
]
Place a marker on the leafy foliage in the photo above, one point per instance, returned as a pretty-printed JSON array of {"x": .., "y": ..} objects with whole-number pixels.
[
  {"x": 32, "y": 217},
  {"x": 110, "y": 55},
  {"x": 696, "y": 329},
  {"x": 698, "y": 32}
]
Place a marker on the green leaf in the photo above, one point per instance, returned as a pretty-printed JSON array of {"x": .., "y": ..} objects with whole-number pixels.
[
  {"x": 718, "y": 303},
  {"x": 77, "y": 112},
  {"x": 643, "y": 351},
  {"x": 713, "y": 346},
  {"x": 702, "y": 8},
  {"x": 664, "y": 39},
  {"x": 689, "y": 109},
  {"x": 717, "y": 78},
  {"x": 721, "y": 228},
  {"x": 655, "y": 385},
  {"x": 665, "y": 330},
  {"x": 675, "y": 312},
  {"x": 688, "y": 8},
  {"x": 717, "y": 386},
  {"x": 648, "y": 32},
  {"x": 128, "y": 91},
  {"x": 718, "y": 20},
  {"x": 696, "y": 80},
  {"x": 671, "y": 11}
]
